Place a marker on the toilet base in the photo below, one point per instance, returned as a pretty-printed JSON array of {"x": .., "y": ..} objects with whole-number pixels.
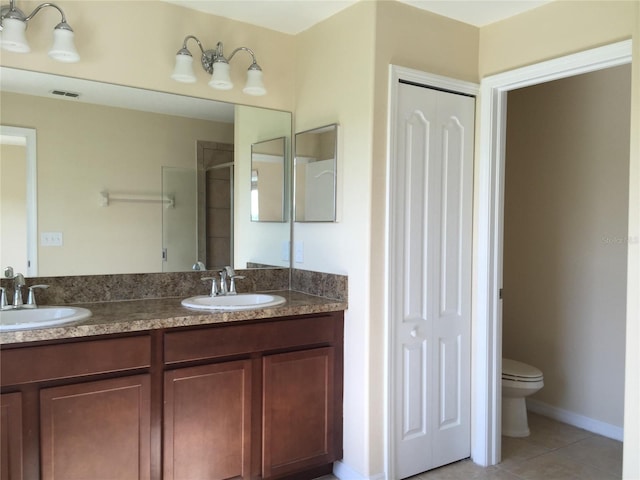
[{"x": 514, "y": 417}]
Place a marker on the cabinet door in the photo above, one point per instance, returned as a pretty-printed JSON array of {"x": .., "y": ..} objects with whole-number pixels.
[
  {"x": 96, "y": 430},
  {"x": 11, "y": 436},
  {"x": 298, "y": 411},
  {"x": 207, "y": 422}
]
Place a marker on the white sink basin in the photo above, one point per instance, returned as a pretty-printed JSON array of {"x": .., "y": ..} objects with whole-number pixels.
[
  {"x": 241, "y": 301},
  {"x": 27, "y": 318}
]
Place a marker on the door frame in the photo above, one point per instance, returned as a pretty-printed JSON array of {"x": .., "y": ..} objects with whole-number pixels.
[
  {"x": 488, "y": 231},
  {"x": 397, "y": 73},
  {"x": 27, "y": 137}
]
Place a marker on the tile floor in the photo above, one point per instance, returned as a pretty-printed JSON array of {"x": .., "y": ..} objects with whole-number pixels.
[{"x": 553, "y": 451}]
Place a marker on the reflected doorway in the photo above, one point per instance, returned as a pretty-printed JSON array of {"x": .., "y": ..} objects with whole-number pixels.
[
  {"x": 215, "y": 203},
  {"x": 18, "y": 200}
]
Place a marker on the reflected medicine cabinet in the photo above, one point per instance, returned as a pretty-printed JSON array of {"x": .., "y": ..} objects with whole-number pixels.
[
  {"x": 268, "y": 162},
  {"x": 315, "y": 174}
]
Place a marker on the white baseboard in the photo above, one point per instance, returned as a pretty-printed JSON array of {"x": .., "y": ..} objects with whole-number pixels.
[
  {"x": 345, "y": 472},
  {"x": 575, "y": 419}
]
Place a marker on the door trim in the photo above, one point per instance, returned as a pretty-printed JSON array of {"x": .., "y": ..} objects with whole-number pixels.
[
  {"x": 488, "y": 229},
  {"x": 396, "y": 75},
  {"x": 29, "y": 136}
]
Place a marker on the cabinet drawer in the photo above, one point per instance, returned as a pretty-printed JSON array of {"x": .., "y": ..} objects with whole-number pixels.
[
  {"x": 69, "y": 360},
  {"x": 229, "y": 340}
]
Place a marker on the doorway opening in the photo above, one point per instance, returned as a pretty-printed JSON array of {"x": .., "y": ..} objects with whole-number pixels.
[
  {"x": 19, "y": 200},
  {"x": 488, "y": 280},
  {"x": 566, "y": 199},
  {"x": 215, "y": 204}
]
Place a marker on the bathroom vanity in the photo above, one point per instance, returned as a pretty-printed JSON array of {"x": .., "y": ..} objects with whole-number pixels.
[{"x": 161, "y": 392}]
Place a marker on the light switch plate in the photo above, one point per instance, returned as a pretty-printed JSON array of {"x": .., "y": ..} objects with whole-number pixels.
[{"x": 51, "y": 239}]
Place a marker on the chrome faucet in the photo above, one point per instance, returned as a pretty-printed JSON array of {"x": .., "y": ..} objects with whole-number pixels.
[
  {"x": 31, "y": 300},
  {"x": 232, "y": 280},
  {"x": 217, "y": 289},
  {"x": 18, "y": 283},
  {"x": 3, "y": 299},
  {"x": 223, "y": 282}
]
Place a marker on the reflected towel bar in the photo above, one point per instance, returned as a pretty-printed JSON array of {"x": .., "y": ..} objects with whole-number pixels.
[{"x": 106, "y": 198}]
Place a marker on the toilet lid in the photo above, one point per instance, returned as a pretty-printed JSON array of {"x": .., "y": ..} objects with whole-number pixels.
[{"x": 512, "y": 369}]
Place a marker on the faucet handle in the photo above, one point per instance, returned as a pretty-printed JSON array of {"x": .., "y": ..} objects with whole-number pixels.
[
  {"x": 3, "y": 298},
  {"x": 214, "y": 285},
  {"x": 232, "y": 283},
  {"x": 31, "y": 300},
  {"x": 223, "y": 281}
]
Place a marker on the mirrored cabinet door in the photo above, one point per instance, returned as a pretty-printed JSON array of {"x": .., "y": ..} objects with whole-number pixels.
[{"x": 316, "y": 174}]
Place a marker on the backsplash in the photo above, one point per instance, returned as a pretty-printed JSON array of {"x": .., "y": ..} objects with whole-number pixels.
[
  {"x": 120, "y": 287},
  {"x": 113, "y": 288},
  {"x": 329, "y": 285}
]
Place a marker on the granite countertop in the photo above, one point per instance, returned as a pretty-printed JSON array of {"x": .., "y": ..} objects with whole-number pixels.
[{"x": 149, "y": 314}]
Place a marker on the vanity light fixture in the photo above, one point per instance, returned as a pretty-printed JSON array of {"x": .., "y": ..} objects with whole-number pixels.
[
  {"x": 13, "y": 23},
  {"x": 214, "y": 62}
]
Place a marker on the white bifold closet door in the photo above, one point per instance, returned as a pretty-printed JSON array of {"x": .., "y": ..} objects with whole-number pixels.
[{"x": 430, "y": 277}]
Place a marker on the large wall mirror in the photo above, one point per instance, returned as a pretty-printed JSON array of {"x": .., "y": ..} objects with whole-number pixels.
[
  {"x": 316, "y": 174},
  {"x": 268, "y": 180},
  {"x": 131, "y": 180}
]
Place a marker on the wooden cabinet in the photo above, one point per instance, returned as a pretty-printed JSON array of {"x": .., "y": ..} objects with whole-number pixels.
[
  {"x": 250, "y": 400},
  {"x": 78, "y": 409},
  {"x": 207, "y": 422},
  {"x": 282, "y": 405},
  {"x": 298, "y": 411},
  {"x": 11, "y": 436},
  {"x": 96, "y": 430}
]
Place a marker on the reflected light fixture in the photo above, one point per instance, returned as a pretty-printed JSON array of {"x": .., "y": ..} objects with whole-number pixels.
[
  {"x": 13, "y": 23},
  {"x": 214, "y": 62}
]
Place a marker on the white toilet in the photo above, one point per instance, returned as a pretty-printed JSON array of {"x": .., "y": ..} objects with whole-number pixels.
[{"x": 519, "y": 380}]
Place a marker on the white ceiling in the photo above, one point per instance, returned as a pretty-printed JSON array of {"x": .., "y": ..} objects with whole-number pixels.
[{"x": 295, "y": 16}]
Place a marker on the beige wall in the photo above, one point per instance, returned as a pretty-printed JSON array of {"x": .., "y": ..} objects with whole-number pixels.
[
  {"x": 561, "y": 28},
  {"x": 85, "y": 149},
  {"x": 134, "y": 42},
  {"x": 334, "y": 87},
  {"x": 270, "y": 190},
  {"x": 565, "y": 248}
]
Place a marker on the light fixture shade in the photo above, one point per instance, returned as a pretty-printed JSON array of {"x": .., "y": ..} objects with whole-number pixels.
[
  {"x": 13, "y": 37},
  {"x": 63, "y": 48},
  {"x": 254, "y": 85},
  {"x": 220, "y": 78},
  {"x": 183, "y": 71}
]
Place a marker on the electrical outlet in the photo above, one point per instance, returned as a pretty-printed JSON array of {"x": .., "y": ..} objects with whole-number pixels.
[{"x": 51, "y": 239}]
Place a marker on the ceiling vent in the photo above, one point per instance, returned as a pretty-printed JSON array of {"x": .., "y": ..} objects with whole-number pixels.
[{"x": 63, "y": 93}]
